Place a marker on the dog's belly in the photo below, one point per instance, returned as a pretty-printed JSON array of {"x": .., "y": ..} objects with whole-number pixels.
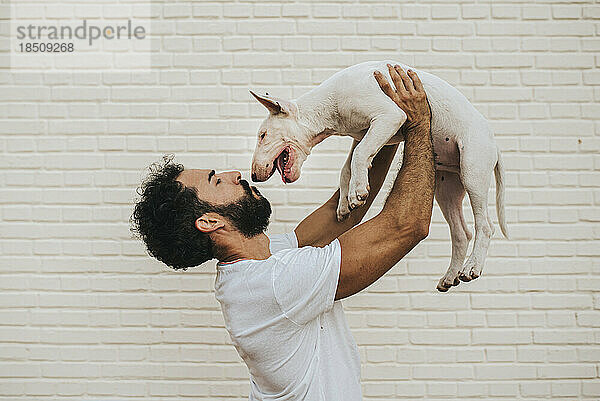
[
  {"x": 397, "y": 138},
  {"x": 445, "y": 148},
  {"x": 446, "y": 152}
]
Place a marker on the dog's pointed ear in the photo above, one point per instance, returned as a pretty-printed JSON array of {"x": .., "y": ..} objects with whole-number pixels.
[
  {"x": 271, "y": 104},
  {"x": 275, "y": 105}
]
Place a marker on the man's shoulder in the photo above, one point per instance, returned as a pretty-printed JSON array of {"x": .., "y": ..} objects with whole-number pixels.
[
  {"x": 278, "y": 242},
  {"x": 308, "y": 255}
]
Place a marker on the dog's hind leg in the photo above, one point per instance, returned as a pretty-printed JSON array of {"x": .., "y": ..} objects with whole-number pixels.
[
  {"x": 343, "y": 209},
  {"x": 449, "y": 193},
  {"x": 477, "y": 161},
  {"x": 382, "y": 128}
]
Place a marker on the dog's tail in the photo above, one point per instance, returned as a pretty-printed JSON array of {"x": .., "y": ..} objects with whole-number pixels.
[{"x": 499, "y": 173}]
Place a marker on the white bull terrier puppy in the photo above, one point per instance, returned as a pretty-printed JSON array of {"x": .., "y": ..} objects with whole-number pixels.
[{"x": 350, "y": 103}]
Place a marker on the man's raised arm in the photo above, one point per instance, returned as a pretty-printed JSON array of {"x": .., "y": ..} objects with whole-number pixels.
[{"x": 372, "y": 248}]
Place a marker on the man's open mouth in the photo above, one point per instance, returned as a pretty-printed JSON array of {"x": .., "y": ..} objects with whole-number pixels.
[{"x": 283, "y": 163}]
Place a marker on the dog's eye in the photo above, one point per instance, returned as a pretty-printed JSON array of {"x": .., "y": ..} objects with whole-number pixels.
[
  {"x": 218, "y": 181},
  {"x": 262, "y": 136}
]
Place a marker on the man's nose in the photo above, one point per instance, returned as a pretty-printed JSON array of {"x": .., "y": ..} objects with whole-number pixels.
[{"x": 235, "y": 176}]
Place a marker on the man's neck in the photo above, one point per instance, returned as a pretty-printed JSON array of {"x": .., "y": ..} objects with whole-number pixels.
[{"x": 241, "y": 247}]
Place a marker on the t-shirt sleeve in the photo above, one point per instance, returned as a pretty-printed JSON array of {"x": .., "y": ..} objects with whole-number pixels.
[
  {"x": 283, "y": 241},
  {"x": 305, "y": 281}
]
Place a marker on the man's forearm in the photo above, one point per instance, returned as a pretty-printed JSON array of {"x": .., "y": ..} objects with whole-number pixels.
[
  {"x": 411, "y": 198},
  {"x": 404, "y": 220}
]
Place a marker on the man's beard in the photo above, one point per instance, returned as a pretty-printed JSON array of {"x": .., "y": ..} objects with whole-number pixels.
[{"x": 250, "y": 215}]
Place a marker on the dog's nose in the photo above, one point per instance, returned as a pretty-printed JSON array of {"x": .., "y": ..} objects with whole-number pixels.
[{"x": 254, "y": 177}]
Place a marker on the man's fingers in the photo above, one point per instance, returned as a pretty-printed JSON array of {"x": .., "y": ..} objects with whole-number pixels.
[
  {"x": 416, "y": 81},
  {"x": 384, "y": 85},
  {"x": 397, "y": 80},
  {"x": 407, "y": 82}
]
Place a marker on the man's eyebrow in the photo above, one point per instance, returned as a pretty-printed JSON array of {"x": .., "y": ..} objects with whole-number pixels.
[{"x": 210, "y": 175}]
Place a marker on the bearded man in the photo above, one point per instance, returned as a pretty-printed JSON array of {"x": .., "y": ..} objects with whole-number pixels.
[{"x": 281, "y": 294}]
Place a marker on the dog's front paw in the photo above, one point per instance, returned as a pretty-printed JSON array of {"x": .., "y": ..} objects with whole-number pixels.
[
  {"x": 357, "y": 193},
  {"x": 343, "y": 209}
]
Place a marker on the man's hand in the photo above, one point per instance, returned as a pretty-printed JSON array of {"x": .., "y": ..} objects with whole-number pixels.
[{"x": 409, "y": 95}]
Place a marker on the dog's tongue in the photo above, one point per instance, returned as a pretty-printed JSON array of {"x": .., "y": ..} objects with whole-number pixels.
[{"x": 279, "y": 164}]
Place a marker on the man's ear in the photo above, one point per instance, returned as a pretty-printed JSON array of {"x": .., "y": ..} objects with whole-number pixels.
[
  {"x": 209, "y": 222},
  {"x": 276, "y": 105}
]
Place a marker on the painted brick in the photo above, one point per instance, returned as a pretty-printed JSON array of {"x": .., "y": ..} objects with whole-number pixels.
[{"x": 85, "y": 312}]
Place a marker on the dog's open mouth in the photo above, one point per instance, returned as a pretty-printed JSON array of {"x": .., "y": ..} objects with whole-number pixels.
[{"x": 284, "y": 164}]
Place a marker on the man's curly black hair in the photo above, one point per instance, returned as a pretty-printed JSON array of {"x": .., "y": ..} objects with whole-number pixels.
[{"x": 165, "y": 215}]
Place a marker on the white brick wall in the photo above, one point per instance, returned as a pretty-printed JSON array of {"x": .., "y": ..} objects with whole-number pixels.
[{"x": 84, "y": 313}]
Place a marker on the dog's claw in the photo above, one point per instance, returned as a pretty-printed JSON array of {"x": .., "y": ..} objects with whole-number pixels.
[
  {"x": 469, "y": 271},
  {"x": 342, "y": 216},
  {"x": 353, "y": 205},
  {"x": 449, "y": 280},
  {"x": 357, "y": 194}
]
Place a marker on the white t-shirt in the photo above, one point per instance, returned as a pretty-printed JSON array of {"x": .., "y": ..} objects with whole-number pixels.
[{"x": 283, "y": 321}]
